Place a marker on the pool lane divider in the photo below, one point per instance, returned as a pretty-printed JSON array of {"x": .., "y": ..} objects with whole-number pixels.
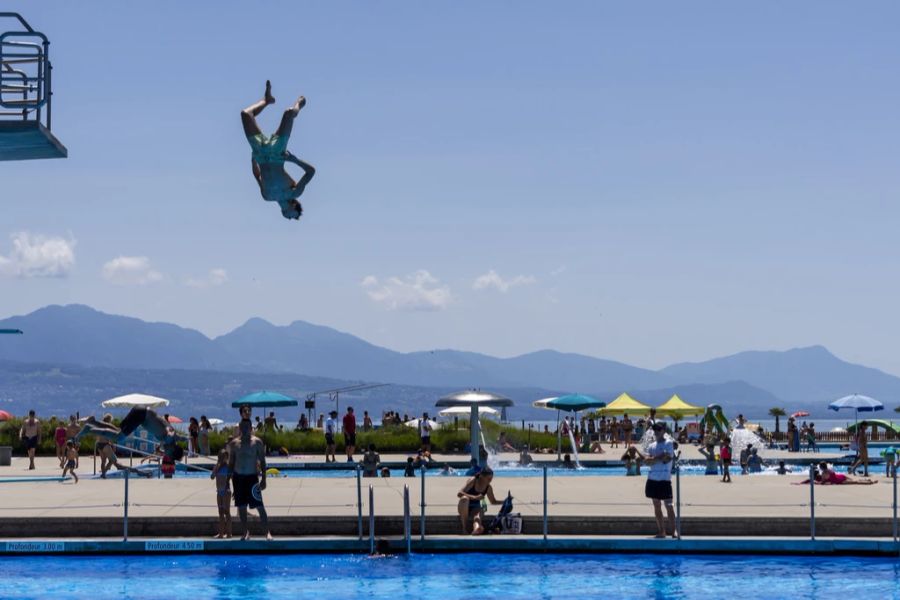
[{"x": 458, "y": 544}]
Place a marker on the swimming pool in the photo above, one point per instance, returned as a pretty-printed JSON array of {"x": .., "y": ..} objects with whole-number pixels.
[{"x": 448, "y": 576}]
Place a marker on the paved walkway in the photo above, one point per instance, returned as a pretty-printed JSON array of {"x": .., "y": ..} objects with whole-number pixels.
[{"x": 748, "y": 496}]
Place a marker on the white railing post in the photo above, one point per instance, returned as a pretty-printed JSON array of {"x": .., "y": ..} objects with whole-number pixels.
[
  {"x": 371, "y": 520},
  {"x": 677, "y": 499},
  {"x": 422, "y": 505},
  {"x": 125, "y": 517},
  {"x": 894, "y": 481},
  {"x": 812, "y": 502},
  {"x": 545, "y": 502},
  {"x": 407, "y": 520},
  {"x": 359, "y": 519}
]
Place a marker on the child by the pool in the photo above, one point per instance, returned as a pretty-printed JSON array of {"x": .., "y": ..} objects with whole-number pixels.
[
  {"x": 223, "y": 494},
  {"x": 71, "y": 458},
  {"x": 725, "y": 456},
  {"x": 632, "y": 459}
]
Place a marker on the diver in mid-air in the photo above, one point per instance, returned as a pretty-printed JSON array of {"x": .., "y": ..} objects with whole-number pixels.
[{"x": 270, "y": 153}]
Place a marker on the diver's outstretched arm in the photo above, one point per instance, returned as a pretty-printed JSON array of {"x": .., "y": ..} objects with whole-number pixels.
[{"x": 308, "y": 172}]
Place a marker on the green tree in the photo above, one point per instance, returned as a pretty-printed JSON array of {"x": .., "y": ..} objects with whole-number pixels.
[{"x": 777, "y": 413}]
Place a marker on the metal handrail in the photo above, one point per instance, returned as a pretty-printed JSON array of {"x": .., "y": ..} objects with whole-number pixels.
[{"x": 35, "y": 90}]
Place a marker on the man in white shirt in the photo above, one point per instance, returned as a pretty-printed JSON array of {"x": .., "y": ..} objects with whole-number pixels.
[
  {"x": 425, "y": 433},
  {"x": 330, "y": 431},
  {"x": 660, "y": 455}
]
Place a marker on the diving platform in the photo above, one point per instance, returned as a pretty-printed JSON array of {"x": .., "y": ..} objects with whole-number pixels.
[
  {"x": 26, "y": 93},
  {"x": 28, "y": 140}
]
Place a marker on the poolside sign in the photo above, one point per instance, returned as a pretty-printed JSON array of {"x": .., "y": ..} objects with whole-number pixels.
[
  {"x": 35, "y": 546},
  {"x": 173, "y": 546}
]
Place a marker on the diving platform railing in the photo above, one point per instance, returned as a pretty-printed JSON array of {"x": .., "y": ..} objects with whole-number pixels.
[{"x": 26, "y": 93}]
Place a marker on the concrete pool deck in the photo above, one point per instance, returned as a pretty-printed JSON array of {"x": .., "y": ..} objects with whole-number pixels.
[{"x": 762, "y": 505}]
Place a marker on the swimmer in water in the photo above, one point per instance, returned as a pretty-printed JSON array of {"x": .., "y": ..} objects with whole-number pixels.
[{"x": 270, "y": 153}]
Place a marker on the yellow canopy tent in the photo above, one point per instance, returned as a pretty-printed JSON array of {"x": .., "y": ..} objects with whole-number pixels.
[
  {"x": 677, "y": 409},
  {"x": 625, "y": 404}
]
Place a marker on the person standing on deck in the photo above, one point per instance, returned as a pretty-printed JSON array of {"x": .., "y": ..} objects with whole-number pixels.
[
  {"x": 59, "y": 436},
  {"x": 330, "y": 431},
  {"x": 627, "y": 430},
  {"x": 660, "y": 457},
  {"x": 247, "y": 472},
  {"x": 349, "y": 424},
  {"x": 425, "y": 432},
  {"x": 862, "y": 449},
  {"x": 30, "y": 433}
]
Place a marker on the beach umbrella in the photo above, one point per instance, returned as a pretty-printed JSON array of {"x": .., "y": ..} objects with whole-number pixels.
[
  {"x": 135, "y": 401},
  {"x": 569, "y": 403},
  {"x": 625, "y": 404},
  {"x": 574, "y": 403},
  {"x": 473, "y": 400},
  {"x": 799, "y": 414},
  {"x": 5, "y": 416},
  {"x": 265, "y": 399},
  {"x": 215, "y": 422},
  {"x": 858, "y": 403},
  {"x": 465, "y": 410},
  {"x": 415, "y": 423},
  {"x": 173, "y": 419}
]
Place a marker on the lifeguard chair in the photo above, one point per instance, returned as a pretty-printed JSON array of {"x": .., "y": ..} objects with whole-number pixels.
[{"x": 25, "y": 93}]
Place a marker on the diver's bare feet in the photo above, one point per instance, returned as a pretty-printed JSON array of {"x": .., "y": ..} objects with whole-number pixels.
[
  {"x": 269, "y": 536},
  {"x": 270, "y": 99},
  {"x": 218, "y": 536},
  {"x": 301, "y": 102},
  {"x": 245, "y": 537}
]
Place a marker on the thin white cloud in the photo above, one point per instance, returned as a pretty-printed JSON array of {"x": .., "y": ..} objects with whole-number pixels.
[
  {"x": 35, "y": 256},
  {"x": 558, "y": 270},
  {"x": 492, "y": 279},
  {"x": 131, "y": 270},
  {"x": 214, "y": 278},
  {"x": 419, "y": 291}
]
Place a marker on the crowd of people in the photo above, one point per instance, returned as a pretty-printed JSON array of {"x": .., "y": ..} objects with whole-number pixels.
[{"x": 240, "y": 469}]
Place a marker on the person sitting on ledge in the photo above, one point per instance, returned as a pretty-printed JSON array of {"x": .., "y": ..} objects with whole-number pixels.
[{"x": 470, "y": 497}]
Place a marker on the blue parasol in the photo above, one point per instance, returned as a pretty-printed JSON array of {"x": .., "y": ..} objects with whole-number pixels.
[
  {"x": 265, "y": 399},
  {"x": 858, "y": 403}
]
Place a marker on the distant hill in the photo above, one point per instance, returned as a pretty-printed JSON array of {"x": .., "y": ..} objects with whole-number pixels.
[
  {"x": 77, "y": 335},
  {"x": 62, "y": 390},
  {"x": 802, "y": 377},
  {"x": 80, "y": 335}
]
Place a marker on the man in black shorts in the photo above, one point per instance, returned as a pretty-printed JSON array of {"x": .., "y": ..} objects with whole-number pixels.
[
  {"x": 246, "y": 461},
  {"x": 658, "y": 488},
  {"x": 30, "y": 434}
]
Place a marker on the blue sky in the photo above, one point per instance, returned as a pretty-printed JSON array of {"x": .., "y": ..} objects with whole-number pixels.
[{"x": 647, "y": 182}]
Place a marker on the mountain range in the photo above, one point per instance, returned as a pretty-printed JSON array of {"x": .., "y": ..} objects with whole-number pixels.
[{"x": 98, "y": 343}]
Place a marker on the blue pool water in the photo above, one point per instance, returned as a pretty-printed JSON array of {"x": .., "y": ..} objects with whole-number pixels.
[{"x": 438, "y": 577}]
